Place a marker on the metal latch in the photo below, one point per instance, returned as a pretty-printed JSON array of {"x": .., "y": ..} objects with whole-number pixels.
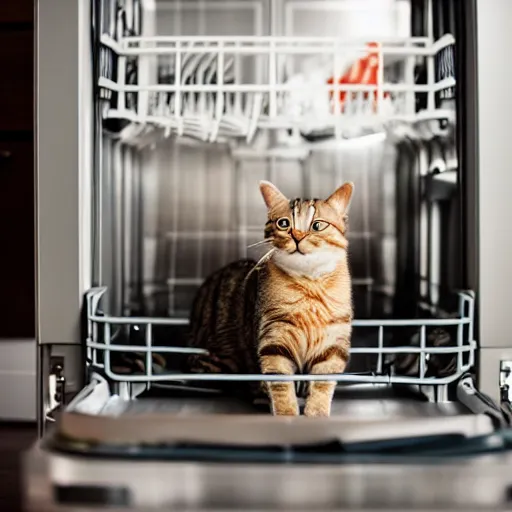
[
  {"x": 56, "y": 386},
  {"x": 506, "y": 381}
]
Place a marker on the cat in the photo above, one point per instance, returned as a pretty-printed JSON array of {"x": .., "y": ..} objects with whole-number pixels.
[{"x": 289, "y": 313}]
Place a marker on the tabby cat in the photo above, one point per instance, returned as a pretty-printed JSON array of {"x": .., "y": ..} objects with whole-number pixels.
[{"x": 289, "y": 313}]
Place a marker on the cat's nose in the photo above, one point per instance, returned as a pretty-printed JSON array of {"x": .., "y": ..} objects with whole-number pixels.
[{"x": 298, "y": 235}]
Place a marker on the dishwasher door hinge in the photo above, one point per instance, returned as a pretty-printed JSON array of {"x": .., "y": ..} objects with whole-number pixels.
[
  {"x": 506, "y": 382},
  {"x": 56, "y": 386}
]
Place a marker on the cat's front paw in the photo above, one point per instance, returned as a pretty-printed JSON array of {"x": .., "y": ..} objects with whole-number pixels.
[
  {"x": 286, "y": 410},
  {"x": 317, "y": 410}
]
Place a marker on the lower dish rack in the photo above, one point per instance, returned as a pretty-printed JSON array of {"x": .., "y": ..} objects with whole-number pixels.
[{"x": 421, "y": 351}]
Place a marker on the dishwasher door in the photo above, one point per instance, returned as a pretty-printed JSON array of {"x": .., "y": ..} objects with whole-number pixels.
[
  {"x": 59, "y": 481},
  {"x": 379, "y": 449}
]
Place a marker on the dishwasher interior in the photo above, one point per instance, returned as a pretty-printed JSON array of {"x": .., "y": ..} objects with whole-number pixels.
[{"x": 196, "y": 102}]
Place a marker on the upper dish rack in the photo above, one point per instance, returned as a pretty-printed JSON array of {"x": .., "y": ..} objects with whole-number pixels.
[{"x": 226, "y": 88}]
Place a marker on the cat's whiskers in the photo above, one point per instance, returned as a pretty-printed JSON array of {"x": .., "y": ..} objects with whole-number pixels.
[
  {"x": 261, "y": 242},
  {"x": 263, "y": 259}
]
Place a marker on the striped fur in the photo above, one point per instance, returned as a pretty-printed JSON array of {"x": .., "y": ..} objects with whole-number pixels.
[{"x": 290, "y": 314}]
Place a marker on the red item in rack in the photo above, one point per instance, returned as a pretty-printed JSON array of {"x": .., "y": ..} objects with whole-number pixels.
[{"x": 365, "y": 71}]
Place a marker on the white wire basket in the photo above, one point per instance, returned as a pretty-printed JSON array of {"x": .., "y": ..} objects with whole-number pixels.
[
  {"x": 225, "y": 88},
  {"x": 107, "y": 337}
]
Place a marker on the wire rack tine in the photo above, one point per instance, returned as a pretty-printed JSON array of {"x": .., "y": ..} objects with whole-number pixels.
[
  {"x": 423, "y": 354},
  {"x": 149, "y": 353}
]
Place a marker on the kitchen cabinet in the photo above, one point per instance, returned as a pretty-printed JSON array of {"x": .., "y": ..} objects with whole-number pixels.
[
  {"x": 17, "y": 225},
  {"x": 17, "y": 83},
  {"x": 17, "y": 239},
  {"x": 17, "y": 11}
]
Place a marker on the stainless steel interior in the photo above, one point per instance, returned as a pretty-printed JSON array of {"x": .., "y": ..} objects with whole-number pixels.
[
  {"x": 199, "y": 208},
  {"x": 176, "y": 210},
  {"x": 364, "y": 402}
]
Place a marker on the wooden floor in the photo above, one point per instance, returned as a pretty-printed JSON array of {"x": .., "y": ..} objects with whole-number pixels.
[{"x": 14, "y": 440}]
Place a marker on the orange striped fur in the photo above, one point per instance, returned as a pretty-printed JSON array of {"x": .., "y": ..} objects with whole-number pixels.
[{"x": 291, "y": 313}]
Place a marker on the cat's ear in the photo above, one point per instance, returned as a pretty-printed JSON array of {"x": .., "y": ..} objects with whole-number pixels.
[
  {"x": 340, "y": 200},
  {"x": 271, "y": 194}
]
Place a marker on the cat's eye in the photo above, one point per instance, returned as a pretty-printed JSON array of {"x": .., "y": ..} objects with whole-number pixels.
[
  {"x": 283, "y": 223},
  {"x": 319, "y": 225}
]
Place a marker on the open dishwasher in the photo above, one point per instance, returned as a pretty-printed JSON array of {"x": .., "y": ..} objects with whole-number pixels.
[{"x": 152, "y": 138}]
